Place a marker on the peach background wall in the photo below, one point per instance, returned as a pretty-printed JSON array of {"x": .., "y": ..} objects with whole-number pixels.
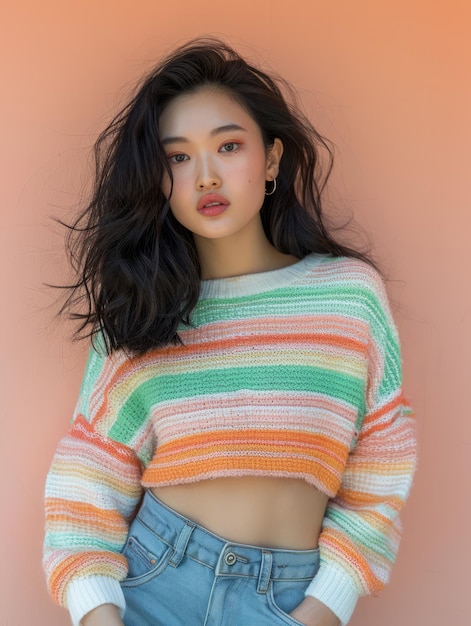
[{"x": 389, "y": 83}]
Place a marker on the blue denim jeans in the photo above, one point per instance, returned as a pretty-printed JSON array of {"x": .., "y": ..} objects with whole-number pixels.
[{"x": 180, "y": 574}]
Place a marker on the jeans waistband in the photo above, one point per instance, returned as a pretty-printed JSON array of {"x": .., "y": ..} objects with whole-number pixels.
[{"x": 225, "y": 557}]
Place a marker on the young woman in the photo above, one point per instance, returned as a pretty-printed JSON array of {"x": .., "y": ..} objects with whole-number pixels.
[{"x": 241, "y": 447}]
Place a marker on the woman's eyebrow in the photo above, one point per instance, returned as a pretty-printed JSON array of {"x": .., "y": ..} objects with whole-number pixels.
[
  {"x": 215, "y": 131},
  {"x": 226, "y": 128}
]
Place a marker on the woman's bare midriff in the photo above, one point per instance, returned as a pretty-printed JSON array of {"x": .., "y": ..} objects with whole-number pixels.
[{"x": 262, "y": 511}]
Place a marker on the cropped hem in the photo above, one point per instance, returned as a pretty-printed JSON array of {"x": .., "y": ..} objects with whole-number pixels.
[
  {"x": 334, "y": 589},
  {"x": 86, "y": 593}
]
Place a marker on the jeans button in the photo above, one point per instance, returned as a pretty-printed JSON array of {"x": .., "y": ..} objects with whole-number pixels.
[{"x": 230, "y": 558}]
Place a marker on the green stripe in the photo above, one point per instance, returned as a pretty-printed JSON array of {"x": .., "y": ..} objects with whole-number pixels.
[
  {"x": 300, "y": 379},
  {"x": 361, "y": 532},
  {"x": 64, "y": 540},
  {"x": 289, "y": 301}
]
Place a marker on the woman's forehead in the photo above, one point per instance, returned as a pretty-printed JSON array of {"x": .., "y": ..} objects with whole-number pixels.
[{"x": 207, "y": 109}]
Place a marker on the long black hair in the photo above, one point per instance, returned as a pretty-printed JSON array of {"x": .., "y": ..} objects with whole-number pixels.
[{"x": 138, "y": 273}]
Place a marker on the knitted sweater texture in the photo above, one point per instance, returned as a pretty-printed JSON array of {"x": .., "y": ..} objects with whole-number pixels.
[{"x": 291, "y": 373}]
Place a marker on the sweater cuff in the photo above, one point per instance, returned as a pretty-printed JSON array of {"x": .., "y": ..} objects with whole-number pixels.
[
  {"x": 86, "y": 593},
  {"x": 334, "y": 588}
]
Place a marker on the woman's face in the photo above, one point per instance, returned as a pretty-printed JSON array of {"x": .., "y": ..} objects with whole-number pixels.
[{"x": 219, "y": 163}]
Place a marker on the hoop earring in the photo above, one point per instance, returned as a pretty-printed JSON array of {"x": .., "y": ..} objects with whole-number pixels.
[{"x": 270, "y": 193}]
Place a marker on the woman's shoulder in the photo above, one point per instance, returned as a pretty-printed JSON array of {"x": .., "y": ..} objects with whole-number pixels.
[
  {"x": 344, "y": 271},
  {"x": 105, "y": 368},
  {"x": 356, "y": 286}
]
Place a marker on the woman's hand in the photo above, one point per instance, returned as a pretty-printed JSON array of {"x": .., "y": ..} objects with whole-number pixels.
[
  {"x": 103, "y": 615},
  {"x": 313, "y": 612}
]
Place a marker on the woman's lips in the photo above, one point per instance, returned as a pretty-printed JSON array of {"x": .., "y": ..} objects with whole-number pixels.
[{"x": 212, "y": 204}]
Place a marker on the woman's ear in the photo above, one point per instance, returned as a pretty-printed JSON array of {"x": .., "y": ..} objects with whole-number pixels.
[{"x": 274, "y": 155}]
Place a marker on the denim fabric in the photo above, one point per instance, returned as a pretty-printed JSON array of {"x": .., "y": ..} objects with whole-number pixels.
[{"x": 180, "y": 574}]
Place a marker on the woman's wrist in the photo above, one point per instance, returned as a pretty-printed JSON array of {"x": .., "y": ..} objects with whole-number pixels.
[
  {"x": 103, "y": 615},
  {"x": 313, "y": 612},
  {"x": 85, "y": 593}
]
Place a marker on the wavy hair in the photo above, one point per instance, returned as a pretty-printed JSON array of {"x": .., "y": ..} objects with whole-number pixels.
[{"x": 138, "y": 274}]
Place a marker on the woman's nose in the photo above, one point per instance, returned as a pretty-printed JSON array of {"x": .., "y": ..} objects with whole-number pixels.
[{"x": 207, "y": 177}]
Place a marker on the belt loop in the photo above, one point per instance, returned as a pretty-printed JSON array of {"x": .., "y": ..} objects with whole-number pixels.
[
  {"x": 181, "y": 544},
  {"x": 265, "y": 572}
]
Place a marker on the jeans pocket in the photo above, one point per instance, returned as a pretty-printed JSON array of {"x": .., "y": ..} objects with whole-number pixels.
[
  {"x": 285, "y": 595},
  {"x": 144, "y": 563}
]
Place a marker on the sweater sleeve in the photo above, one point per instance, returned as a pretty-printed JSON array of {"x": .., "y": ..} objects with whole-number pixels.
[
  {"x": 361, "y": 530},
  {"x": 93, "y": 488}
]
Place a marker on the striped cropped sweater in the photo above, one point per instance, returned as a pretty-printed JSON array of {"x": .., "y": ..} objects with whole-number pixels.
[{"x": 291, "y": 373}]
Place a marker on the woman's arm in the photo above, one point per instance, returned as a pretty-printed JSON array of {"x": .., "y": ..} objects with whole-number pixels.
[
  {"x": 361, "y": 528},
  {"x": 92, "y": 490}
]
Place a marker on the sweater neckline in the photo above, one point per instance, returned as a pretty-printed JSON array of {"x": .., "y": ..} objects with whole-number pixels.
[{"x": 259, "y": 282}]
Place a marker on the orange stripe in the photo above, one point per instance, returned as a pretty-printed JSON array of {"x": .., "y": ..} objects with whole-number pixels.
[
  {"x": 82, "y": 430},
  {"x": 262, "y": 340},
  {"x": 61, "y": 522},
  {"x": 360, "y": 499},
  {"x": 160, "y": 475},
  {"x": 370, "y": 418},
  {"x": 59, "y": 509},
  {"x": 247, "y": 436}
]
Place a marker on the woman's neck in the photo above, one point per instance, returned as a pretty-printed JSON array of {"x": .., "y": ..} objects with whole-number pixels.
[{"x": 239, "y": 255}]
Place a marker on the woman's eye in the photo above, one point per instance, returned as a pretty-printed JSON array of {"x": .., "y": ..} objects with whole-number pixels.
[
  {"x": 177, "y": 158},
  {"x": 231, "y": 146}
]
